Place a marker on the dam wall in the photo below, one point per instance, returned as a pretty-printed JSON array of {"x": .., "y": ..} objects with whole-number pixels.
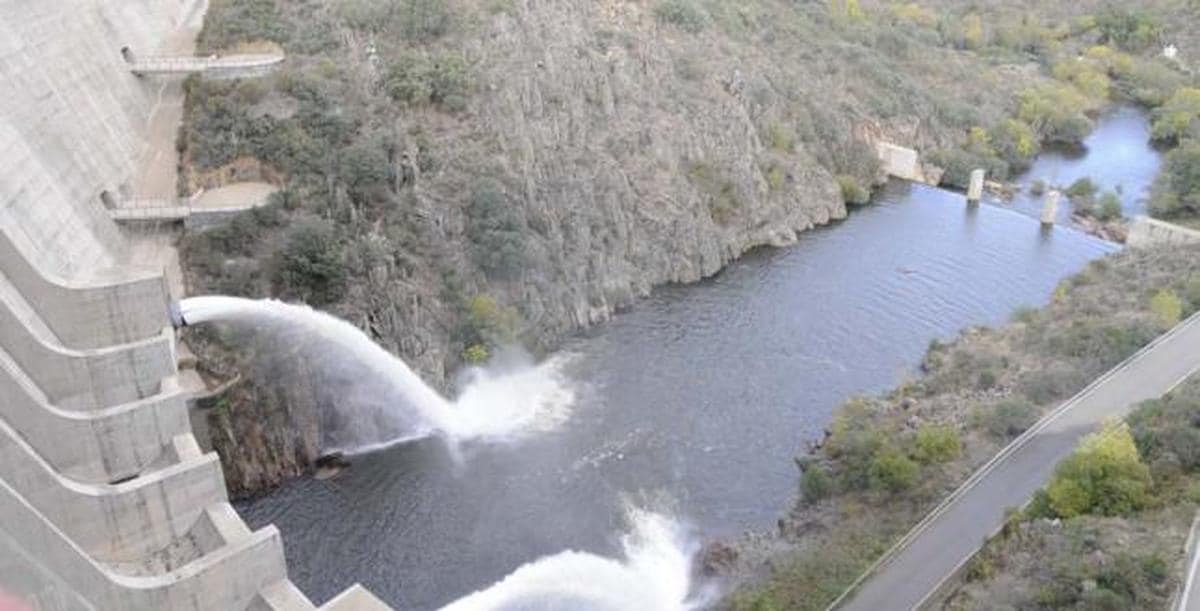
[
  {"x": 106, "y": 500},
  {"x": 1145, "y": 232}
]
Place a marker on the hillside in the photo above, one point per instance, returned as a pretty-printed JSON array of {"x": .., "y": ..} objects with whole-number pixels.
[{"x": 460, "y": 175}]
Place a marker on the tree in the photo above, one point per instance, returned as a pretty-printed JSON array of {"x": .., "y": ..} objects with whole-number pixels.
[
  {"x": 1179, "y": 117},
  {"x": 1176, "y": 191},
  {"x": 1104, "y": 476},
  {"x": 1056, "y": 112},
  {"x": 309, "y": 264},
  {"x": 1167, "y": 307}
]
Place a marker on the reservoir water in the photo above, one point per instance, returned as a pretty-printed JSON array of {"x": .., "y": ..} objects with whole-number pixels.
[{"x": 695, "y": 401}]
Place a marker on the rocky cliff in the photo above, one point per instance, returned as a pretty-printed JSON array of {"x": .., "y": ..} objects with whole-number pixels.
[{"x": 462, "y": 174}]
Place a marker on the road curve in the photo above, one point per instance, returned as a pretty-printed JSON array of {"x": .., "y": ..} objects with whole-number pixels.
[{"x": 947, "y": 538}]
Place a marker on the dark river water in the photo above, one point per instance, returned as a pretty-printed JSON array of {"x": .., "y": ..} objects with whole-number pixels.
[{"x": 701, "y": 395}]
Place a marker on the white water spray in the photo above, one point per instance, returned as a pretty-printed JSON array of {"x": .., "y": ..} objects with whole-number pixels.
[
  {"x": 654, "y": 574},
  {"x": 377, "y": 400}
]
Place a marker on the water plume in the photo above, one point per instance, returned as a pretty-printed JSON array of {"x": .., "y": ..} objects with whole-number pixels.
[
  {"x": 655, "y": 573},
  {"x": 371, "y": 399}
]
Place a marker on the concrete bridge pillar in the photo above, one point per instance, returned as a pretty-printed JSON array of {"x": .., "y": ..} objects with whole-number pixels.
[
  {"x": 975, "y": 189},
  {"x": 1050, "y": 208}
]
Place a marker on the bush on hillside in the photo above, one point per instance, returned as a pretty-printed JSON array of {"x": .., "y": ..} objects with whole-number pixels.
[
  {"x": 937, "y": 444},
  {"x": 438, "y": 79},
  {"x": 1150, "y": 82},
  {"x": 683, "y": 14},
  {"x": 1179, "y": 117},
  {"x": 853, "y": 193},
  {"x": 242, "y": 21},
  {"x": 1007, "y": 418},
  {"x": 1176, "y": 191},
  {"x": 496, "y": 231},
  {"x": 1127, "y": 28},
  {"x": 891, "y": 471},
  {"x": 1167, "y": 308},
  {"x": 816, "y": 484},
  {"x": 1055, "y": 111},
  {"x": 1104, "y": 476},
  {"x": 309, "y": 264}
]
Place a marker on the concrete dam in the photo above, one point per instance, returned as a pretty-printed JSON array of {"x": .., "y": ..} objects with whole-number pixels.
[{"x": 106, "y": 499}]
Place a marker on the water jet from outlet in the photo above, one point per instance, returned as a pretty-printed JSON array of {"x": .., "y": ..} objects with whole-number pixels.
[{"x": 369, "y": 398}]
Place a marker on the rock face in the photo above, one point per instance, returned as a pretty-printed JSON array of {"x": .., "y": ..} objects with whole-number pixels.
[{"x": 601, "y": 149}]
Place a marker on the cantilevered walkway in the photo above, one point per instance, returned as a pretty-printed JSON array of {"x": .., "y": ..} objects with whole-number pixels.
[
  {"x": 941, "y": 544},
  {"x": 212, "y": 66}
]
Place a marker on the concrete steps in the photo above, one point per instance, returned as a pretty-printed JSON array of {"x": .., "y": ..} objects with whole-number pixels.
[
  {"x": 107, "y": 445},
  {"x": 80, "y": 379}
]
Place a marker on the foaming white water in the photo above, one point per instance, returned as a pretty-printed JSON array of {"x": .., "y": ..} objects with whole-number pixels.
[
  {"x": 655, "y": 574},
  {"x": 376, "y": 399}
]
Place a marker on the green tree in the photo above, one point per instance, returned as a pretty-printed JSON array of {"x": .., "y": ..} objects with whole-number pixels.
[
  {"x": 1056, "y": 112},
  {"x": 1104, "y": 476},
  {"x": 1179, "y": 117},
  {"x": 309, "y": 264},
  {"x": 1176, "y": 191},
  {"x": 1016, "y": 143},
  {"x": 1167, "y": 307}
]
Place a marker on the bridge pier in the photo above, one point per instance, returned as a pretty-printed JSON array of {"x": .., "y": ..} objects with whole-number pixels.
[
  {"x": 975, "y": 189},
  {"x": 1050, "y": 208}
]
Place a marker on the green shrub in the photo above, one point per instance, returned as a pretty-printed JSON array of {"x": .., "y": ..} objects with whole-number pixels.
[
  {"x": 476, "y": 354},
  {"x": 1052, "y": 383},
  {"x": 1090, "y": 78},
  {"x": 496, "y": 231},
  {"x": 1150, "y": 82},
  {"x": 1006, "y": 419},
  {"x": 1055, "y": 112},
  {"x": 1176, "y": 191},
  {"x": 683, "y": 14},
  {"x": 487, "y": 323},
  {"x": 309, "y": 264},
  {"x": 853, "y": 442},
  {"x": 852, "y": 192},
  {"x": 892, "y": 471},
  {"x": 439, "y": 79},
  {"x": 1167, "y": 307},
  {"x": 234, "y": 21},
  {"x": 959, "y": 163},
  {"x": 1127, "y": 28},
  {"x": 1109, "y": 207},
  {"x": 722, "y": 194},
  {"x": 1179, "y": 117},
  {"x": 937, "y": 444},
  {"x": 1083, "y": 189},
  {"x": 1099, "y": 343},
  {"x": 1104, "y": 476},
  {"x": 1016, "y": 143},
  {"x": 816, "y": 484}
]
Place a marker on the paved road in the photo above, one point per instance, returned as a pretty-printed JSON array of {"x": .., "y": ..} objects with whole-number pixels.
[
  {"x": 1189, "y": 597},
  {"x": 953, "y": 532}
]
